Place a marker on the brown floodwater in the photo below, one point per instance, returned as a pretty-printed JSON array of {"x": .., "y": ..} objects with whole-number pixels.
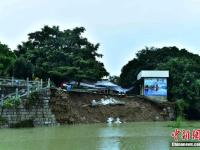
[{"x": 127, "y": 136}]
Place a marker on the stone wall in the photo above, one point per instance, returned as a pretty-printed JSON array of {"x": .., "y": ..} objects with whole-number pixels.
[{"x": 40, "y": 115}]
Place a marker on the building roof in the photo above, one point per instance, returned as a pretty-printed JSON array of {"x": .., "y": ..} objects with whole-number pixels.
[{"x": 153, "y": 74}]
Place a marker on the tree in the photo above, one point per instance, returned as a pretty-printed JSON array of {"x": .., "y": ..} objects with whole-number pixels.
[
  {"x": 184, "y": 77},
  {"x": 7, "y": 57},
  {"x": 184, "y": 81},
  {"x": 62, "y": 55},
  {"x": 114, "y": 79},
  {"x": 21, "y": 69},
  {"x": 149, "y": 59}
]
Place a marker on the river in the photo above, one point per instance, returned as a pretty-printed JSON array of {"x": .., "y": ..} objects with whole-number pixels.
[{"x": 127, "y": 136}]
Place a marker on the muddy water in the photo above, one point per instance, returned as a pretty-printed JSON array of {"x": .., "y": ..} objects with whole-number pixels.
[{"x": 129, "y": 136}]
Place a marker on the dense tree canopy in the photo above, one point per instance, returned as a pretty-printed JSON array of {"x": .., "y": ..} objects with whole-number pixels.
[
  {"x": 184, "y": 77},
  {"x": 21, "y": 69},
  {"x": 150, "y": 58},
  {"x": 184, "y": 81},
  {"x": 62, "y": 55},
  {"x": 7, "y": 57}
]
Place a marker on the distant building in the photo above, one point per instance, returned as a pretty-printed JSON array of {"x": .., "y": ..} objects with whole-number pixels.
[{"x": 153, "y": 84}]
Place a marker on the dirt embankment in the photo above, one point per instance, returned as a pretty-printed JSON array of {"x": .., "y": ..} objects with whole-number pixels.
[{"x": 75, "y": 107}]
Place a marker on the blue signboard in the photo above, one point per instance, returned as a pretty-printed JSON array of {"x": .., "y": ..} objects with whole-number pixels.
[{"x": 155, "y": 87}]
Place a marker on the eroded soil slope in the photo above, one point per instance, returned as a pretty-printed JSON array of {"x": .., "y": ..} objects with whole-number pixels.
[{"x": 75, "y": 107}]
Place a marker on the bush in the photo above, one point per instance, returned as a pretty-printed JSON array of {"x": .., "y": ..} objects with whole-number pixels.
[
  {"x": 33, "y": 100},
  {"x": 11, "y": 102},
  {"x": 177, "y": 123},
  {"x": 181, "y": 107}
]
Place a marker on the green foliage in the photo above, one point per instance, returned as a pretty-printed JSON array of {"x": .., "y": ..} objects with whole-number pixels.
[
  {"x": 114, "y": 79},
  {"x": 62, "y": 55},
  {"x": 181, "y": 106},
  {"x": 184, "y": 76},
  {"x": 11, "y": 102},
  {"x": 21, "y": 69},
  {"x": 178, "y": 122},
  {"x": 150, "y": 59},
  {"x": 185, "y": 84},
  {"x": 33, "y": 100},
  {"x": 7, "y": 58}
]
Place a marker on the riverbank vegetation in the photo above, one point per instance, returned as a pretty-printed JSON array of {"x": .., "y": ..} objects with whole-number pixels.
[
  {"x": 11, "y": 102},
  {"x": 7, "y": 57}
]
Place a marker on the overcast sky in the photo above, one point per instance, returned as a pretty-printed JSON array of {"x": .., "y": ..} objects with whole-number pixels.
[{"x": 121, "y": 27}]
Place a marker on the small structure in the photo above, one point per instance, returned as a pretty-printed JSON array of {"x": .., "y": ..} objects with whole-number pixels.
[{"x": 153, "y": 84}]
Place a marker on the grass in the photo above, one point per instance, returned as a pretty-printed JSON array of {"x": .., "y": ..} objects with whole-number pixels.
[{"x": 178, "y": 123}]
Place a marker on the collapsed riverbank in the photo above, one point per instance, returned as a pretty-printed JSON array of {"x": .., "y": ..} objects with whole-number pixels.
[
  {"x": 55, "y": 106},
  {"x": 76, "y": 107}
]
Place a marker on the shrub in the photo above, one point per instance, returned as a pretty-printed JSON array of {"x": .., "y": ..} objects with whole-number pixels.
[
  {"x": 178, "y": 123},
  {"x": 12, "y": 102},
  {"x": 33, "y": 100},
  {"x": 181, "y": 108}
]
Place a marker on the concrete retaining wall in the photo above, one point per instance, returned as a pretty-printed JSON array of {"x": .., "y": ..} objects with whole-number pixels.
[{"x": 40, "y": 115}]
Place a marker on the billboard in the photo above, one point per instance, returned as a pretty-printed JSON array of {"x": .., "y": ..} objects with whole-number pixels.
[{"x": 155, "y": 87}]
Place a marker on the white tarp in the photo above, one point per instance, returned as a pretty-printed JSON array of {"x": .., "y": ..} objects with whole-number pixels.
[{"x": 107, "y": 101}]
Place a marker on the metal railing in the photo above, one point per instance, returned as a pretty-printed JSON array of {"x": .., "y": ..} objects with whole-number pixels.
[
  {"x": 26, "y": 87},
  {"x": 16, "y": 82}
]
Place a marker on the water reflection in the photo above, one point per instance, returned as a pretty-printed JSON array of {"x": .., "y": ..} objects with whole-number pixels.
[
  {"x": 110, "y": 137},
  {"x": 134, "y": 137}
]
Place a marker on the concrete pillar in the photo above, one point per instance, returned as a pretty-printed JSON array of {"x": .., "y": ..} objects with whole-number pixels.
[
  {"x": 41, "y": 83},
  {"x": 12, "y": 81},
  {"x": 27, "y": 84},
  {"x": 38, "y": 85},
  {"x": 16, "y": 92},
  {"x": 48, "y": 85}
]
